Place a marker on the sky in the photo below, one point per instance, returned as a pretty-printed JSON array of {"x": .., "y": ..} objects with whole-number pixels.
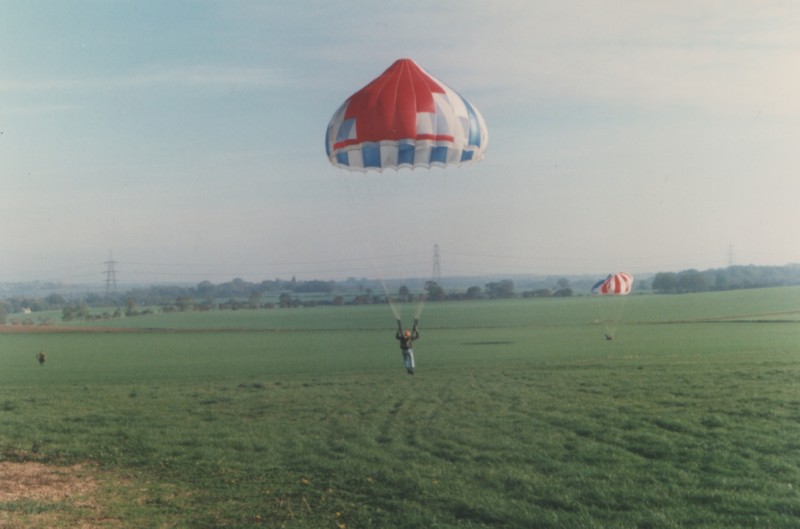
[{"x": 184, "y": 140}]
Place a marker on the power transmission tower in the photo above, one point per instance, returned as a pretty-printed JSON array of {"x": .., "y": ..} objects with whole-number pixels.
[
  {"x": 437, "y": 265},
  {"x": 111, "y": 275}
]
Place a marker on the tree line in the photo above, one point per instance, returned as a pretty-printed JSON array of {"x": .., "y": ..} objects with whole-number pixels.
[
  {"x": 278, "y": 293},
  {"x": 234, "y": 295},
  {"x": 687, "y": 281},
  {"x": 730, "y": 278}
]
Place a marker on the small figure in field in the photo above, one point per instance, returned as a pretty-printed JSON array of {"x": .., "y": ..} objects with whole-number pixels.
[
  {"x": 406, "y": 337},
  {"x": 609, "y": 337},
  {"x": 41, "y": 357}
]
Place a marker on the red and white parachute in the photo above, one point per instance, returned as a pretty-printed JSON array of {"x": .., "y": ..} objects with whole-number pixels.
[
  {"x": 611, "y": 308},
  {"x": 405, "y": 118},
  {"x": 619, "y": 284}
]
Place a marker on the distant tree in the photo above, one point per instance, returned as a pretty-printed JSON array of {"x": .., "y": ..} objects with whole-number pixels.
[
  {"x": 232, "y": 304},
  {"x": 55, "y": 301},
  {"x": 206, "y": 290},
  {"x": 665, "y": 282},
  {"x": 254, "y": 301},
  {"x": 691, "y": 281},
  {"x": 3, "y": 313},
  {"x": 362, "y": 299},
  {"x": 562, "y": 283},
  {"x": 82, "y": 311},
  {"x": 285, "y": 300},
  {"x": 500, "y": 289},
  {"x": 184, "y": 303},
  {"x": 474, "y": 293},
  {"x": 208, "y": 304},
  {"x": 435, "y": 292},
  {"x": 538, "y": 293},
  {"x": 94, "y": 299},
  {"x": 721, "y": 280},
  {"x": 67, "y": 314},
  {"x": 130, "y": 307},
  {"x": 268, "y": 286},
  {"x": 563, "y": 292},
  {"x": 314, "y": 286},
  {"x": 403, "y": 293}
]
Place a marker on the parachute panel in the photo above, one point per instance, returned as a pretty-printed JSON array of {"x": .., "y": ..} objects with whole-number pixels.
[{"x": 619, "y": 284}]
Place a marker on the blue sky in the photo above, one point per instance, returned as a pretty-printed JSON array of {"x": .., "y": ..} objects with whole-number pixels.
[{"x": 186, "y": 137}]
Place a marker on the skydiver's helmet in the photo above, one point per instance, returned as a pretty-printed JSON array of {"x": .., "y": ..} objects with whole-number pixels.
[{"x": 407, "y": 333}]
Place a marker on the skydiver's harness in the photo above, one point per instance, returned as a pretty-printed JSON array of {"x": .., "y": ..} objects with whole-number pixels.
[{"x": 405, "y": 341}]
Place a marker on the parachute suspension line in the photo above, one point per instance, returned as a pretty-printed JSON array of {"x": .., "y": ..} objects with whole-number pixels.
[
  {"x": 613, "y": 315},
  {"x": 420, "y": 306},
  {"x": 437, "y": 186},
  {"x": 387, "y": 294},
  {"x": 358, "y": 202},
  {"x": 376, "y": 264}
]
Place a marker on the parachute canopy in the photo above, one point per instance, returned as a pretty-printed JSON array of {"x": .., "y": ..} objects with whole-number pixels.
[
  {"x": 405, "y": 118},
  {"x": 619, "y": 284}
]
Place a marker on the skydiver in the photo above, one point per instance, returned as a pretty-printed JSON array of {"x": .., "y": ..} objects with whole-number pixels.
[{"x": 406, "y": 337}]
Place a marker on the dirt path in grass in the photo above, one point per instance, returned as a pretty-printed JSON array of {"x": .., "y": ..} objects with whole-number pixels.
[
  {"x": 34, "y": 495},
  {"x": 39, "y": 482}
]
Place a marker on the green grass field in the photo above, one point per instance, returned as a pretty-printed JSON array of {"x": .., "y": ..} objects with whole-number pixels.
[{"x": 521, "y": 415}]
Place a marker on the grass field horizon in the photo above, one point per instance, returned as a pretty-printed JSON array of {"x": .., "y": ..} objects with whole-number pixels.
[{"x": 521, "y": 414}]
